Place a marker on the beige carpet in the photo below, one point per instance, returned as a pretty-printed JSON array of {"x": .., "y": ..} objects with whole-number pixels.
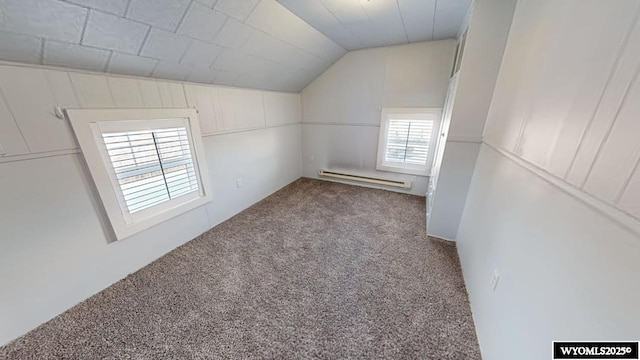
[{"x": 317, "y": 270}]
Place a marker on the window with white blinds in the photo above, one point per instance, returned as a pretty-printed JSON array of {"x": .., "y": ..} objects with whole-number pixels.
[
  {"x": 151, "y": 166},
  {"x": 407, "y": 140},
  {"x": 148, "y": 165}
]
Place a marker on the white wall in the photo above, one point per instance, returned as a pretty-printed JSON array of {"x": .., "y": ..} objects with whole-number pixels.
[
  {"x": 488, "y": 28},
  {"x": 55, "y": 246},
  {"x": 553, "y": 204},
  {"x": 342, "y": 106}
]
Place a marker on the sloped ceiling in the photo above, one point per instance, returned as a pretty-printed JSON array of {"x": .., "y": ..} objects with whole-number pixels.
[
  {"x": 247, "y": 43},
  {"x": 358, "y": 24}
]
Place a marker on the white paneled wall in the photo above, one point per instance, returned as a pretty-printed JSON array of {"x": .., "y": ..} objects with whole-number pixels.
[
  {"x": 553, "y": 206},
  {"x": 29, "y": 95},
  {"x": 342, "y": 106},
  {"x": 56, "y": 247},
  {"x": 570, "y": 106}
]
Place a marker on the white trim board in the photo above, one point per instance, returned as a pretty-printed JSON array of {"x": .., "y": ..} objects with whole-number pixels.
[{"x": 628, "y": 221}]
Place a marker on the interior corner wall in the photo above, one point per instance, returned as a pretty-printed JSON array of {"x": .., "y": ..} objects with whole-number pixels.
[
  {"x": 55, "y": 243},
  {"x": 553, "y": 203},
  {"x": 341, "y": 108},
  {"x": 488, "y": 28}
]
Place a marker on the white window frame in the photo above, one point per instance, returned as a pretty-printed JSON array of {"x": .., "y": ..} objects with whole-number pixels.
[
  {"x": 89, "y": 124},
  {"x": 407, "y": 113}
]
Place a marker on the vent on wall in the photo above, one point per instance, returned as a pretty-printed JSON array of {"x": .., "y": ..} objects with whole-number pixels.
[{"x": 365, "y": 179}]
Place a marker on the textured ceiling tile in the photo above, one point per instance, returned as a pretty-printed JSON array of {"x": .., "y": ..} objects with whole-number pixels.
[
  {"x": 449, "y": 17},
  {"x": 74, "y": 56},
  {"x": 357, "y": 24},
  {"x": 346, "y": 11},
  {"x": 164, "y": 14},
  {"x": 418, "y": 18},
  {"x": 385, "y": 17},
  {"x": 268, "y": 47},
  {"x": 324, "y": 21},
  {"x": 234, "y": 34},
  {"x": 238, "y": 9},
  {"x": 292, "y": 29},
  {"x": 16, "y": 47},
  {"x": 201, "y": 22},
  {"x": 201, "y": 74},
  {"x": 112, "y": 6},
  {"x": 207, "y": 3},
  {"x": 114, "y": 33},
  {"x": 238, "y": 61},
  {"x": 172, "y": 71},
  {"x": 131, "y": 65},
  {"x": 164, "y": 45},
  {"x": 224, "y": 77},
  {"x": 45, "y": 18},
  {"x": 201, "y": 53}
]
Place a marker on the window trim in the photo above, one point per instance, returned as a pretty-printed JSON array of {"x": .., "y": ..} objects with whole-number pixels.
[
  {"x": 411, "y": 169},
  {"x": 87, "y": 125}
]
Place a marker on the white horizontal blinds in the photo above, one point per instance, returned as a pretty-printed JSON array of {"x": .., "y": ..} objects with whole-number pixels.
[
  {"x": 176, "y": 160},
  {"x": 151, "y": 166},
  {"x": 408, "y": 141}
]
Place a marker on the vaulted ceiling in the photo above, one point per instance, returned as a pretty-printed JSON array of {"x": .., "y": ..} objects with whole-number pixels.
[
  {"x": 251, "y": 43},
  {"x": 358, "y": 24}
]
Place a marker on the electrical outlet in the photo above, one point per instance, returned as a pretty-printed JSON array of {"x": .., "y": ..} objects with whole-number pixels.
[
  {"x": 312, "y": 158},
  {"x": 495, "y": 278},
  {"x": 239, "y": 183}
]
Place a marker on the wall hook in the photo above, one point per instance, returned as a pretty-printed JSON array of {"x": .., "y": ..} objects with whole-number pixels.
[{"x": 59, "y": 112}]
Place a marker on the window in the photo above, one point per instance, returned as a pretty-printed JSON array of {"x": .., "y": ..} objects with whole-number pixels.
[
  {"x": 148, "y": 165},
  {"x": 407, "y": 140}
]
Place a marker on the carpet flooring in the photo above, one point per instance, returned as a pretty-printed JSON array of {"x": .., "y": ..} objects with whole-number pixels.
[{"x": 317, "y": 270}]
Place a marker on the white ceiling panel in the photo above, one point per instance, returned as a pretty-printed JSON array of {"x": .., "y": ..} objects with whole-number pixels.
[
  {"x": 165, "y": 45},
  {"x": 163, "y": 14},
  {"x": 18, "y": 47},
  {"x": 324, "y": 21},
  {"x": 201, "y": 74},
  {"x": 201, "y": 53},
  {"x": 385, "y": 17},
  {"x": 414, "y": 14},
  {"x": 172, "y": 71},
  {"x": 359, "y": 24},
  {"x": 117, "y": 7},
  {"x": 114, "y": 33},
  {"x": 201, "y": 22},
  {"x": 234, "y": 34},
  {"x": 44, "y": 18},
  {"x": 252, "y": 43},
  {"x": 449, "y": 16},
  {"x": 292, "y": 29},
  {"x": 131, "y": 65},
  {"x": 237, "y": 9},
  {"x": 224, "y": 77},
  {"x": 348, "y": 11},
  {"x": 76, "y": 56}
]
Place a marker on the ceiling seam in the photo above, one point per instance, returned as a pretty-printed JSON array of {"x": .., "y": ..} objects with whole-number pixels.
[
  {"x": 433, "y": 23},
  {"x": 84, "y": 28},
  {"x": 144, "y": 41},
  {"x": 404, "y": 26},
  {"x": 175, "y": 31}
]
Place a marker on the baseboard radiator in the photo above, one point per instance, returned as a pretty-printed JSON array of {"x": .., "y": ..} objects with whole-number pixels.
[{"x": 365, "y": 179}]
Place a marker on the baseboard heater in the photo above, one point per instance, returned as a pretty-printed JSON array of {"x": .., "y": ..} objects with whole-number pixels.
[{"x": 365, "y": 179}]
